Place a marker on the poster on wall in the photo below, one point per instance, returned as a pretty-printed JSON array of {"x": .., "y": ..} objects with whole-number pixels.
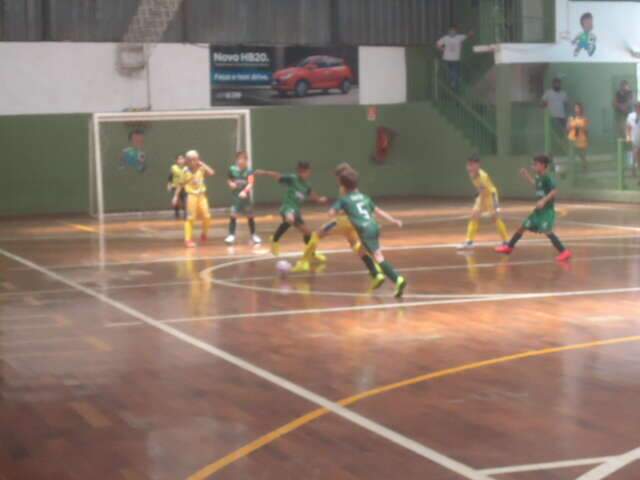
[
  {"x": 284, "y": 75},
  {"x": 587, "y": 31}
]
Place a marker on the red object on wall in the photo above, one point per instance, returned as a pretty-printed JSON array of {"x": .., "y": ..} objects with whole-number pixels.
[
  {"x": 372, "y": 114},
  {"x": 384, "y": 141}
]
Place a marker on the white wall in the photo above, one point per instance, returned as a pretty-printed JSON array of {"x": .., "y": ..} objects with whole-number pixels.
[
  {"x": 383, "y": 75},
  {"x": 81, "y": 77}
]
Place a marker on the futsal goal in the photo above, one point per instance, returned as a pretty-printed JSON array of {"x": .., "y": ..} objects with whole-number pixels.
[{"x": 132, "y": 152}]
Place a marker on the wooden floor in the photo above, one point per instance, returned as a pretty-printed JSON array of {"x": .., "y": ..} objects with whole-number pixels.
[{"x": 133, "y": 358}]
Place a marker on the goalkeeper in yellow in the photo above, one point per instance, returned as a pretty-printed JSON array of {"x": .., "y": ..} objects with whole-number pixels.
[
  {"x": 341, "y": 226},
  {"x": 486, "y": 203},
  {"x": 197, "y": 201}
]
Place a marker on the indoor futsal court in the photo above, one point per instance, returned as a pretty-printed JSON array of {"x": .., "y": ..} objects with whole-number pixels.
[{"x": 319, "y": 240}]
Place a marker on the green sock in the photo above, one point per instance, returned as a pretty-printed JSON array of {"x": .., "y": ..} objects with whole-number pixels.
[
  {"x": 389, "y": 271},
  {"x": 371, "y": 266}
]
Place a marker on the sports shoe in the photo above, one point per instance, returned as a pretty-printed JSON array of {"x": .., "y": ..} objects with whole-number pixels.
[
  {"x": 564, "y": 256},
  {"x": 256, "y": 239},
  {"x": 275, "y": 248},
  {"x": 190, "y": 244},
  {"x": 506, "y": 249},
  {"x": 401, "y": 284},
  {"x": 203, "y": 238},
  {"x": 318, "y": 257},
  {"x": 468, "y": 245},
  {"x": 230, "y": 240},
  {"x": 377, "y": 281},
  {"x": 301, "y": 267}
]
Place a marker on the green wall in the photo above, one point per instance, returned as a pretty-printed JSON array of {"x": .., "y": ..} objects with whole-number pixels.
[
  {"x": 49, "y": 171},
  {"x": 44, "y": 163}
]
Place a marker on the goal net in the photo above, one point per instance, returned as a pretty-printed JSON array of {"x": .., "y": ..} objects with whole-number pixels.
[{"x": 132, "y": 153}]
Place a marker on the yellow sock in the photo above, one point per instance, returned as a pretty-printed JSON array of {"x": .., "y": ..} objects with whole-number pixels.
[
  {"x": 502, "y": 230},
  {"x": 188, "y": 230},
  {"x": 310, "y": 249},
  {"x": 472, "y": 230},
  {"x": 205, "y": 226}
]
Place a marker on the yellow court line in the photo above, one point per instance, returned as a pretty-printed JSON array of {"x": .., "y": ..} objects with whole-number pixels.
[
  {"x": 82, "y": 228},
  {"x": 251, "y": 447}
]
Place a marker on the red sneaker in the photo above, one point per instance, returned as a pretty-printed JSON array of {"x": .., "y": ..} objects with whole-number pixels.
[
  {"x": 506, "y": 249},
  {"x": 203, "y": 238},
  {"x": 564, "y": 256},
  {"x": 190, "y": 244}
]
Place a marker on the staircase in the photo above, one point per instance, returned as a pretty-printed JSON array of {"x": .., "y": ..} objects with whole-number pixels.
[{"x": 474, "y": 119}]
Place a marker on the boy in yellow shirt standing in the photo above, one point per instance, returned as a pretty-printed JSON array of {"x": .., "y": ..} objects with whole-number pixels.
[
  {"x": 197, "y": 201},
  {"x": 486, "y": 202}
]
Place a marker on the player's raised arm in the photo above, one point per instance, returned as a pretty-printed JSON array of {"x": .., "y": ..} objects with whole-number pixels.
[
  {"x": 269, "y": 173},
  {"x": 207, "y": 169},
  {"x": 388, "y": 217},
  {"x": 524, "y": 173}
]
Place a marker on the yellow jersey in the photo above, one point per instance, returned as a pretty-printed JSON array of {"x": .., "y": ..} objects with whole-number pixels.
[
  {"x": 194, "y": 182},
  {"x": 484, "y": 184},
  {"x": 177, "y": 175}
]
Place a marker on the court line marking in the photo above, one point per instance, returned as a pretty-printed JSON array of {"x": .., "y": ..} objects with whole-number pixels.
[
  {"x": 534, "y": 467},
  {"x": 612, "y": 465},
  {"x": 82, "y": 228},
  {"x": 296, "y": 253},
  {"x": 355, "y": 418},
  {"x": 264, "y": 440},
  {"x": 602, "y": 225}
]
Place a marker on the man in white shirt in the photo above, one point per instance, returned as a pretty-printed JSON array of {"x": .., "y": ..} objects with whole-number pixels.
[
  {"x": 633, "y": 136},
  {"x": 451, "y": 47},
  {"x": 555, "y": 100}
]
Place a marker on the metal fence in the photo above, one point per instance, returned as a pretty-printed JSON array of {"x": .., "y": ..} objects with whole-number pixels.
[{"x": 264, "y": 22}]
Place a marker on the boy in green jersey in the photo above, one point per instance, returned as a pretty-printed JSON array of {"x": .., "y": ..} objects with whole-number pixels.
[
  {"x": 543, "y": 218},
  {"x": 298, "y": 191},
  {"x": 240, "y": 180},
  {"x": 361, "y": 212}
]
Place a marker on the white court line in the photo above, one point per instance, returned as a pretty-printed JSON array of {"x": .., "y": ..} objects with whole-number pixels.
[
  {"x": 263, "y": 252},
  {"x": 390, "y": 306},
  {"x": 534, "y": 467},
  {"x": 602, "y": 225},
  {"x": 365, "y": 423},
  {"x": 612, "y": 465}
]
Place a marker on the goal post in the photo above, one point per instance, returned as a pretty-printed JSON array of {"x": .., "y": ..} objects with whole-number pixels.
[{"x": 131, "y": 154}]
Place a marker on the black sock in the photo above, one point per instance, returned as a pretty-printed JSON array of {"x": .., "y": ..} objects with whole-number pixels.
[
  {"x": 252, "y": 225},
  {"x": 371, "y": 266},
  {"x": 177, "y": 211},
  {"x": 556, "y": 242},
  {"x": 232, "y": 226},
  {"x": 307, "y": 238},
  {"x": 515, "y": 239},
  {"x": 282, "y": 229}
]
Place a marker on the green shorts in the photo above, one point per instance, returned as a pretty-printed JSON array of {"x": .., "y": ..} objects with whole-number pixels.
[
  {"x": 541, "y": 221},
  {"x": 241, "y": 206},
  {"x": 370, "y": 237},
  {"x": 297, "y": 215}
]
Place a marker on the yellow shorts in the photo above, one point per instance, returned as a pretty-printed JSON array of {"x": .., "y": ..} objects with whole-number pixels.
[
  {"x": 487, "y": 203},
  {"x": 198, "y": 207}
]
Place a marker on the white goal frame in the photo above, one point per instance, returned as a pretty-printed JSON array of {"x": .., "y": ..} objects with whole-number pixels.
[{"x": 96, "y": 185}]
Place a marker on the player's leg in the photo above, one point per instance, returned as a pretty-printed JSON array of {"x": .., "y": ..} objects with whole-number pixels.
[
  {"x": 192, "y": 212},
  {"x": 508, "y": 248},
  {"x": 182, "y": 198},
  {"x": 251, "y": 223},
  {"x": 233, "y": 224},
  {"x": 497, "y": 216},
  {"x": 371, "y": 240},
  {"x": 288, "y": 219},
  {"x": 564, "y": 253},
  {"x": 176, "y": 206},
  {"x": 474, "y": 223},
  {"x": 205, "y": 214}
]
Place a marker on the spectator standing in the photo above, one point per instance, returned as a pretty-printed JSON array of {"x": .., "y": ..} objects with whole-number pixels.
[
  {"x": 633, "y": 136},
  {"x": 555, "y": 100},
  {"x": 623, "y": 106},
  {"x": 578, "y": 133},
  {"x": 451, "y": 47}
]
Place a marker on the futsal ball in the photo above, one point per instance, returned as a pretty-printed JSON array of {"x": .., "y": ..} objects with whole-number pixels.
[{"x": 283, "y": 267}]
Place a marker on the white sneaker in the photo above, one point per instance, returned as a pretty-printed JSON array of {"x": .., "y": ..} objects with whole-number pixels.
[
  {"x": 256, "y": 239},
  {"x": 466, "y": 246},
  {"x": 230, "y": 240}
]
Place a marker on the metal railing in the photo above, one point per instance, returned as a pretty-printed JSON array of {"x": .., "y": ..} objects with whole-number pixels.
[
  {"x": 476, "y": 120},
  {"x": 514, "y": 21}
]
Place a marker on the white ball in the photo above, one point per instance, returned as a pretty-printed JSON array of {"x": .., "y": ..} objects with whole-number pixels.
[{"x": 283, "y": 267}]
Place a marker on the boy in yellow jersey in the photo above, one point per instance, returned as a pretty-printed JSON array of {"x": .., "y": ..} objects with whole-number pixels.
[
  {"x": 486, "y": 202},
  {"x": 197, "y": 202},
  {"x": 341, "y": 225},
  {"x": 175, "y": 186}
]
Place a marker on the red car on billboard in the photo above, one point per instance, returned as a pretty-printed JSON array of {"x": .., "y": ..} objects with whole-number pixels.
[{"x": 319, "y": 72}]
